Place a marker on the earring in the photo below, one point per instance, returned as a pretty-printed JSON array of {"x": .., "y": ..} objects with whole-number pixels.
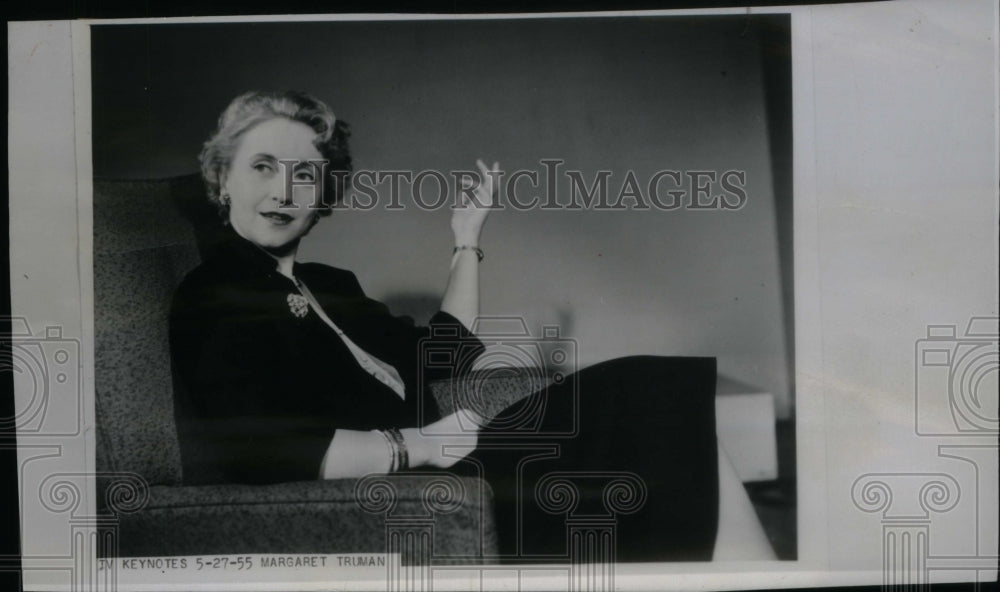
[{"x": 225, "y": 199}]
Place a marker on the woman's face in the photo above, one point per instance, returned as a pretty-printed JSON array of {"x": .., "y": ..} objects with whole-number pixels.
[{"x": 255, "y": 183}]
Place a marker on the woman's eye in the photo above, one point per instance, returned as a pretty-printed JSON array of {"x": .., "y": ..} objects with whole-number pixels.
[
  {"x": 303, "y": 176},
  {"x": 263, "y": 167}
]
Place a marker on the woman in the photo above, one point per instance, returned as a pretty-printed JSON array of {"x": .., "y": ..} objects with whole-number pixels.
[{"x": 287, "y": 371}]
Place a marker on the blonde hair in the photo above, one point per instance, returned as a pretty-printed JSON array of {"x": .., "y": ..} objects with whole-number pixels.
[{"x": 254, "y": 107}]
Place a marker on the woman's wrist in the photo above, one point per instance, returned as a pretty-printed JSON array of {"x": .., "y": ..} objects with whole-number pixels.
[
  {"x": 416, "y": 445},
  {"x": 467, "y": 238}
]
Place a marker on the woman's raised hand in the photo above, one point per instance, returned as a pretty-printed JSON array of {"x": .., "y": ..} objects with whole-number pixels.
[{"x": 468, "y": 217}]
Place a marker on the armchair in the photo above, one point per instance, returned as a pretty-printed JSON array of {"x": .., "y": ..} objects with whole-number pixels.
[{"x": 147, "y": 235}]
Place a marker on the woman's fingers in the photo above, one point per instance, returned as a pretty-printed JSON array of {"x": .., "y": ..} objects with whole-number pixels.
[
  {"x": 450, "y": 438},
  {"x": 485, "y": 188},
  {"x": 467, "y": 184},
  {"x": 487, "y": 172},
  {"x": 490, "y": 177},
  {"x": 478, "y": 198}
]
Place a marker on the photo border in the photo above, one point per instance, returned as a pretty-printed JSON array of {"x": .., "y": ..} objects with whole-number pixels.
[{"x": 813, "y": 566}]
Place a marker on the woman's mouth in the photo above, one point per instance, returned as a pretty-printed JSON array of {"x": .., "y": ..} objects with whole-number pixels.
[{"x": 277, "y": 218}]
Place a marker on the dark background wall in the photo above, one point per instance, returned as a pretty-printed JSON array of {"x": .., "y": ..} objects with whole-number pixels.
[{"x": 616, "y": 94}]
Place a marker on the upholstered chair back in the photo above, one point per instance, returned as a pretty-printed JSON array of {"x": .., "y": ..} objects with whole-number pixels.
[{"x": 144, "y": 243}]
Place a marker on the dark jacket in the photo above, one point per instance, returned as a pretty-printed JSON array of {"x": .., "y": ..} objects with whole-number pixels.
[{"x": 260, "y": 391}]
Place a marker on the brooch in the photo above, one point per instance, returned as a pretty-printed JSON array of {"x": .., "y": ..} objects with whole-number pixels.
[{"x": 298, "y": 304}]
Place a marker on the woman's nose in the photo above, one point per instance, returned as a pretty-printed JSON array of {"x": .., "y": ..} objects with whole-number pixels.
[
  {"x": 280, "y": 197},
  {"x": 275, "y": 188}
]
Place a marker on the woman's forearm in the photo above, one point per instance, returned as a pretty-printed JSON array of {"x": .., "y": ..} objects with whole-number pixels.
[
  {"x": 354, "y": 453},
  {"x": 461, "y": 297}
]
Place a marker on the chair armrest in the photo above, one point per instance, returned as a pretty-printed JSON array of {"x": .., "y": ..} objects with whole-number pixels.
[
  {"x": 336, "y": 516},
  {"x": 487, "y": 391}
]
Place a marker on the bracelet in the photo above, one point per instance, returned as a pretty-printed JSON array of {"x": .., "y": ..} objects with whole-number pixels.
[
  {"x": 402, "y": 456},
  {"x": 479, "y": 252}
]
